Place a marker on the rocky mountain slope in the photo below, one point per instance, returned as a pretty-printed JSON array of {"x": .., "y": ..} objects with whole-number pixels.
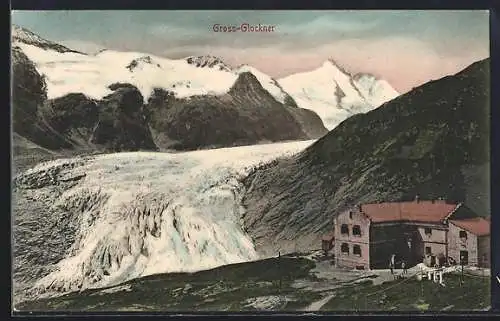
[
  {"x": 191, "y": 103},
  {"x": 115, "y": 122},
  {"x": 335, "y": 94},
  {"x": 22, "y": 35},
  {"x": 246, "y": 115},
  {"x": 28, "y": 97},
  {"x": 432, "y": 141}
]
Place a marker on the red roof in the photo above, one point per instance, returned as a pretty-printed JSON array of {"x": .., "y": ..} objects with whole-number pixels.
[
  {"x": 421, "y": 211},
  {"x": 478, "y": 225}
]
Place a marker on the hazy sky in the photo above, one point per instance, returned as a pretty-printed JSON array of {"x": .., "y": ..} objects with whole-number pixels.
[{"x": 406, "y": 48}]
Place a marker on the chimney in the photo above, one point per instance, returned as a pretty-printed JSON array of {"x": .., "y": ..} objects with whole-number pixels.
[{"x": 417, "y": 199}]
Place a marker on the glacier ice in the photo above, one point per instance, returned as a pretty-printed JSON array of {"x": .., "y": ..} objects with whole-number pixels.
[{"x": 143, "y": 213}]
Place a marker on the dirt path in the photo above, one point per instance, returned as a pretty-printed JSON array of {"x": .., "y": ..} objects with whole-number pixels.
[{"x": 317, "y": 305}]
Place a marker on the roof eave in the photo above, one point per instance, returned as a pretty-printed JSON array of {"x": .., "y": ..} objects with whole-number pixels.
[{"x": 452, "y": 212}]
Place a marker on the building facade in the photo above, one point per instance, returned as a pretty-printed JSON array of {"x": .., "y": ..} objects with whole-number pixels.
[
  {"x": 367, "y": 236},
  {"x": 352, "y": 236},
  {"x": 469, "y": 241},
  {"x": 484, "y": 251}
]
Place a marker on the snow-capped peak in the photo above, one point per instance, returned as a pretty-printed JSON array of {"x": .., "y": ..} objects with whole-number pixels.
[
  {"x": 366, "y": 75},
  {"x": 334, "y": 93},
  {"x": 267, "y": 82},
  {"x": 375, "y": 90},
  {"x": 22, "y": 35},
  {"x": 208, "y": 61},
  {"x": 332, "y": 64},
  {"x": 144, "y": 60},
  {"x": 98, "y": 52}
]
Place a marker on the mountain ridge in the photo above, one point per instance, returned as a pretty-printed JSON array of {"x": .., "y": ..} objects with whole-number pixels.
[
  {"x": 26, "y": 36},
  {"x": 88, "y": 106},
  {"x": 195, "y": 75}
]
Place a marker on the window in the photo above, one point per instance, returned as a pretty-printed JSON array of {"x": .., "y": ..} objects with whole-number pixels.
[
  {"x": 350, "y": 215},
  {"x": 356, "y": 250},
  {"x": 428, "y": 250},
  {"x": 428, "y": 231},
  {"x": 464, "y": 257},
  {"x": 356, "y": 230},
  {"x": 344, "y": 229},
  {"x": 462, "y": 234},
  {"x": 344, "y": 248}
]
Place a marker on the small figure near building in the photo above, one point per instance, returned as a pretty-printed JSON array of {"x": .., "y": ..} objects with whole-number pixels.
[{"x": 392, "y": 263}]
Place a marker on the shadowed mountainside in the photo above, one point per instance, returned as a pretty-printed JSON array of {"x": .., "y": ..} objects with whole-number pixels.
[{"x": 247, "y": 114}]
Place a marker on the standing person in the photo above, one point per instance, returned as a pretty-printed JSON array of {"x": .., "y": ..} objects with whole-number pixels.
[{"x": 403, "y": 266}]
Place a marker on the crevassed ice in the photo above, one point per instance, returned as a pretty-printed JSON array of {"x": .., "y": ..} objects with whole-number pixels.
[{"x": 151, "y": 213}]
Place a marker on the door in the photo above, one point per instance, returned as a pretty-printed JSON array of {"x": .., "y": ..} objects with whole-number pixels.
[{"x": 464, "y": 257}]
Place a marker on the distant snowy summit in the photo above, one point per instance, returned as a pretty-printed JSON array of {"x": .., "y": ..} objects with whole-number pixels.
[
  {"x": 22, "y": 35},
  {"x": 375, "y": 90},
  {"x": 335, "y": 94}
]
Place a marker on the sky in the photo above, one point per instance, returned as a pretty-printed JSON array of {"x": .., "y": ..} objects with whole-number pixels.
[{"x": 407, "y": 48}]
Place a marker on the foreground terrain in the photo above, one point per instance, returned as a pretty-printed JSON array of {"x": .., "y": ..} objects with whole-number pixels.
[{"x": 276, "y": 284}]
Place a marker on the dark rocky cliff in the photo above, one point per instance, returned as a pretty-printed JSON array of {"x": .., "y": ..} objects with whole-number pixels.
[{"x": 247, "y": 114}]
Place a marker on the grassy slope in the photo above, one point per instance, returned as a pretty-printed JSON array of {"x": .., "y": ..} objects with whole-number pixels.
[
  {"x": 224, "y": 288},
  {"x": 412, "y": 295},
  {"x": 229, "y": 288}
]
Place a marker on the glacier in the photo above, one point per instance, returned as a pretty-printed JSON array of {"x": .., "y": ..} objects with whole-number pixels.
[{"x": 142, "y": 213}]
